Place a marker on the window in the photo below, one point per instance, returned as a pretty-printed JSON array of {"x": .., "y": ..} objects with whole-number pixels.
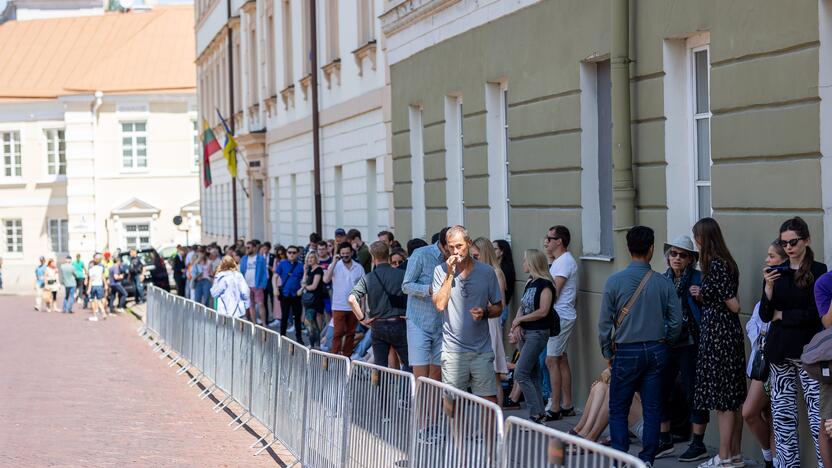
[
  {"x": 306, "y": 48},
  {"x": 417, "y": 173},
  {"x": 136, "y": 235},
  {"x": 55, "y": 152},
  {"x": 700, "y": 67},
  {"x": 332, "y": 52},
  {"x": 496, "y": 96},
  {"x": 252, "y": 61},
  {"x": 134, "y": 145},
  {"x": 372, "y": 196},
  {"x": 14, "y": 235},
  {"x": 59, "y": 235},
  {"x": 271, "y": 66},
  {"x": 11, "y": 154},
  {"x": 196, "y": 142},
  {"x": 288, "y": 74},
  {"x": 366, "y": 22},
  {"x": 235, "y": 59},
  {"x": 454, "y": 170}
]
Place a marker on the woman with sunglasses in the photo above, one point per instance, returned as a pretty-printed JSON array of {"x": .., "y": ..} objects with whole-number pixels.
[
  {"x": 681, "y": 258},
  {"x": 788, "y": 302},
  {"x": 720, "y": 369}
]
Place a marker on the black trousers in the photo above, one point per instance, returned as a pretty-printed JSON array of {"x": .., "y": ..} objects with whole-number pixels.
[{"x": 291, "y": 305}]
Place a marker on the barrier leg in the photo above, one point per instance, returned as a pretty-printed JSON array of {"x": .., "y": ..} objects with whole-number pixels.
[
  {"x": 204, "y": 394},
  {"x": 195, "y": 379},
  {"x": 262, "y": 439},
  {"x": 243, "y": 423},
  {"x": 237, "y": 418},
  {"x": 274, "y": 439},
  {"x": 222, "y": 404},
  {"x": 173, "y": 362},
  {"x": 183, "y": 369}
]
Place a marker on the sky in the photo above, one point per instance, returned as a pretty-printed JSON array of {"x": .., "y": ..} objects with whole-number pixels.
[{"x": 3, "y": 2}]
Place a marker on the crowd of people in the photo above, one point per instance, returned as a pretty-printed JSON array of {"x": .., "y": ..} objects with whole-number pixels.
[{"x": 673, "y": 340}]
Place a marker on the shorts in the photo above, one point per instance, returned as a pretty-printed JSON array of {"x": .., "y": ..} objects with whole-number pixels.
[
  {"x": 470, "y": 370},
  {"x": 257, "y": 295},
  {"x": 825, "y": 400},
  {"x": 328, "y": 305},
  {"x": 424, "y": 348},
  {"x": 557, "y": 344},
  {"x": 97, "y": 292}
]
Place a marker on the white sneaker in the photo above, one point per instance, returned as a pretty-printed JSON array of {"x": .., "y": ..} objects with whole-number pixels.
[
  {"x": 716, "y": 461},
  {"x": 274, "y": 323},
  {"x": 259, "y": 322},
  {"x": 738, "y": 461},
  {"x": 93, "y": 319},
  {"x": 549, "y": 405}
]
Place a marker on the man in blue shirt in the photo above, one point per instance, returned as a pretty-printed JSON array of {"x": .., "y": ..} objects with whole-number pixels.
[
  {"x": 424, "y": 322},
  {"x": 39, "y": 271},
  {"x": 116, "y": 276},
  {"x": 289, "y": 273}
]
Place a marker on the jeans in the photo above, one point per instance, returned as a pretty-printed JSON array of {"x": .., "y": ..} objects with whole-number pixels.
[
  {"x": 310, "y": 319},
  {"x": 203, "y": 292},
  {"x": 387, "y": 334},
  {"x": 546, "y": 383},
  {"x": 139, "y": 290},
  {"x": 682, "y": 361},
  {"x": 360, "y": 350},
  {"x": 527, "y": 371},
  {"x": 117, "y": 288},
  {"x": 291, "y": 306},
  {"x": 69, "y": 298},
  {"x": 637, "y": 367},
  {"x": 81, "y": 290},
  {"x": 345, "y": 323}
]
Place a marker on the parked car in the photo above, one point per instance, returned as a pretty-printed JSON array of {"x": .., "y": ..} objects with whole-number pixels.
[{"x": 155, "y": 271}]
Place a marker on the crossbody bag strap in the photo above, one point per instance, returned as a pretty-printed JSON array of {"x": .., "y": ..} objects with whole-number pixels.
[
  {"x": 625, "y": 311},
  {"x": 381, "y": 283}
]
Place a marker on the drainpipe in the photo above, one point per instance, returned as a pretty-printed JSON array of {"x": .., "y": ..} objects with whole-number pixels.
[
  {"x": 235, "y": 232},
  {"x": 623, "y": 189},
  {"x": 316, "y": 121}
]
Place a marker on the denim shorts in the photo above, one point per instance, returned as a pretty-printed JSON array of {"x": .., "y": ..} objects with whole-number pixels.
[
  {"x": 423, "y": 347},
  {"x": 97, "y": 292}
]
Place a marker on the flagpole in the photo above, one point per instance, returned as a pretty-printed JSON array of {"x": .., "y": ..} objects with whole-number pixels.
[{"x": 231, "y": 118}]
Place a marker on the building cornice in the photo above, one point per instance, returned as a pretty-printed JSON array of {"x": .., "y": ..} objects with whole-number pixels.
[{"x": 403, "y": 13}]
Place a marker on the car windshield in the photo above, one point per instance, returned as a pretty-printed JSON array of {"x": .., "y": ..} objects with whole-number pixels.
[{"x": 147, "y": 257}]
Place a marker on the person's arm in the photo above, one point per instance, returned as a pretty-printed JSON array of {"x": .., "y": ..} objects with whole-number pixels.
[
  {"x": 316, "y": 281},
  {"x": 827, "y": 318},
  {"x": 495, "y": 298},
  {"x": 359, "y": 291},
  {"x": 673, "y": 313},
  {"x": 442, "y": 283},
  {"x": 546, "y": 299},
  {"x": 606, "y": 322},
  {"x": 329, "y": 271},
  {"x": 410, "y": 285}
]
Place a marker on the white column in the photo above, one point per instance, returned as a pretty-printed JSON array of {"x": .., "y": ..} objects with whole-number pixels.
[{"x": 80, "y": 179}]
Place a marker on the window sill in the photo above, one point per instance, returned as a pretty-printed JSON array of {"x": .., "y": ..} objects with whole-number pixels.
[
  {"x": 13, "y": 255},
  {"x": 368, "y": 50},
  {"x": 12, "y": 182},
  {"x": 127, "y": 170},
  {"x": 597, "y": 258},
  {"x": 51, "y": 180},
  {"x": 330, "y": 69}
]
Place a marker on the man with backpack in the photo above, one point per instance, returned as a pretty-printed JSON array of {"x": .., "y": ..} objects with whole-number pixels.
[{"x": 387, "y": 306}]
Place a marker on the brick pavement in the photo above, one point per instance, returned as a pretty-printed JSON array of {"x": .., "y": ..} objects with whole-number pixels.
[{"x": 80, "y": 393}]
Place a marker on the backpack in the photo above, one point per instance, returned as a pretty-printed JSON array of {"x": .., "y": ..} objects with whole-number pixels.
[{"x": 817, "y": 357}]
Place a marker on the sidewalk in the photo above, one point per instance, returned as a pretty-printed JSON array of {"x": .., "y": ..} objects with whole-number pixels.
[{"x": 80, "y": 393}]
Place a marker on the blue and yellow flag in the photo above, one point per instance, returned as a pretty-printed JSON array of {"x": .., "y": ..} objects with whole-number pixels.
[{"x": 229, "y": 149}]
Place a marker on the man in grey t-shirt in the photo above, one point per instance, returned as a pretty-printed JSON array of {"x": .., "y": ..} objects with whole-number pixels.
[{"x": 467, "y": 293}]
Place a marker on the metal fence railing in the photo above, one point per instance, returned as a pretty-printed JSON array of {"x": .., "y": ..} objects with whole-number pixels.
[{"x": 329, "y": 412}]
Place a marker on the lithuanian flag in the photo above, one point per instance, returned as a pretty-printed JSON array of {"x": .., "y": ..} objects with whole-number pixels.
[{"x": 210, "y": 145}]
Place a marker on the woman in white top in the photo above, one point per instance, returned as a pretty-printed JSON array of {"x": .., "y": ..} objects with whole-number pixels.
[
  {"x": 230, "y": 289},
  {"x": 756, "y": 411},
  {"x": 483, "y": 251},
  {"x": 51, "y": 286}
]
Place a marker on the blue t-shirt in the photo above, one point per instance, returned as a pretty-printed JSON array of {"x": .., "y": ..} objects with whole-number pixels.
[{"x": 39, "y": 271}]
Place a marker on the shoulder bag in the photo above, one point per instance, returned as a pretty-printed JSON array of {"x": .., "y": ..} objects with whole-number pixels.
[
  {"x": 396, "y": 301},
  {"x": 759, "y": 364},
  {"x": 625, "y": 311}
]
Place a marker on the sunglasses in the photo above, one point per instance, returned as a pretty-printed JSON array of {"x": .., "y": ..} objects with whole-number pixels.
[
  {"x": 291, "y": 252},
  {"x": 550, "y": 239},
  {"x": 682, "y": 255},
  {"x": 790, "y": 242}
]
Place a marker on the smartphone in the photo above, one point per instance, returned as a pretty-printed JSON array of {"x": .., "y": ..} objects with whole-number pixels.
[{"x": 779, "y": 268}]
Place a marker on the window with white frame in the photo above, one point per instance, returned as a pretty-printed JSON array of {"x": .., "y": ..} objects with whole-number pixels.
[
  {"x": 417, "y": 173},
  {"x": 286, "y": 14},
  {"x": 306, "y": 48},
  {"x": 332, "y": 50},
  {"x": 14, "y": 235},
  {"x": 496, "y": 106},
  {"x": 366, "y": 22},
  {"x": 195, "y": 127},
  {"x": 271, "y": 65},
  {"x": 12, "y": 162},
  {"x": 700, "y": 80},
  {"x": 454, "y": 168},
  {"x": 136, "y": 235},
  {"x": 59, "y": 235},
  {"x": 55, "y": 152},
  {"x": 252, "y": 60},
  {"x": 134, "y": 145}
]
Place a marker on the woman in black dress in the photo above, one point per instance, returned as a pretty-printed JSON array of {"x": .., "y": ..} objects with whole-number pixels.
[{"x": 720, "y": 370}]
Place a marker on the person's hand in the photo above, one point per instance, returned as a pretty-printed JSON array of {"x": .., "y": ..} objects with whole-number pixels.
[
  {"x": 778, "y": 315},
  {"x": 770, "y": 276},
  {"x": 368, "y": 321},
  {"x": 516, "y": 323},
  {"x": 609, "y": 362},
  {"x": 696, "y": 292},
  {"x": 478, "y": 313},
  {"x": 300, "y": 292},
  {"x": 827, "y": 425},
  {"x": 451, "y": 262}
]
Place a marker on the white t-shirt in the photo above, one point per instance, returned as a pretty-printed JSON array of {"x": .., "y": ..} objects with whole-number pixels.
[
  {"x": 96, "y": 273},
  {"x": 343, "y": 280},
  {"x": 251, "y": 270},
  {"x": 565, "y": 266}
]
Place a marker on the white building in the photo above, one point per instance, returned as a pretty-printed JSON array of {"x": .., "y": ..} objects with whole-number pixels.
[
  {"x": 98, "y": 140},
  {"x": 272, "y": 114}
]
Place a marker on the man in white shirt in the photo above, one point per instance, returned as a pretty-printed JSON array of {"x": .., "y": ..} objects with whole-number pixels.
[
  {"x": 564, "y": 270},
  {"x": 343, "y": 274}
]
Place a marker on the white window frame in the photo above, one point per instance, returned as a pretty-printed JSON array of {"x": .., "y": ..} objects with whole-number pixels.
[
  {"x": 418, "y": 217},
  {"x": 13, "y": 240},
  {"x": 366, "y": 22},
  {"x": 496, "y": 97},
  {"x": 696, "y": 45},
  {"x": 63, "y": 235},
  {"x": 333, "y": 50},
  {"x": 454, "y": 160},
  {"x": 12, "y": 163},
  {"x": 138, "y": 243},
  {"x": 56, "y": 157},
  {"x": 197, "y": 144},
  {"x": 134, "y": 135}
]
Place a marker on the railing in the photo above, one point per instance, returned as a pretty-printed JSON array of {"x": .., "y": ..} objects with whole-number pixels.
[{"x": 330, "y": 412}]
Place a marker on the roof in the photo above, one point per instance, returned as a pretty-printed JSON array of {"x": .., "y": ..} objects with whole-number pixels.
[{"x": 116, "y": 53}]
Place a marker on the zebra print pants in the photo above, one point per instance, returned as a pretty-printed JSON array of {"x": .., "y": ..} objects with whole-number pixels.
[{"x": 783, "y": 381}]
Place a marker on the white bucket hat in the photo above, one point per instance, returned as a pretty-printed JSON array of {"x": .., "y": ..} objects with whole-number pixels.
[{"x": 682, "y": 242}]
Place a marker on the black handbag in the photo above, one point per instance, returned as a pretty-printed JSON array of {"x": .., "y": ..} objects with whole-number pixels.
[
  {"x": 309, "y": 299},
  {"x": 759, "y": 363}
]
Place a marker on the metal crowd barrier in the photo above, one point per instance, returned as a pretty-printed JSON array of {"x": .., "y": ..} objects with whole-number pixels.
[
  {"x": 381, "y": 416},
  {"x": 528, "y": 444},
  {"x": 330, "y": 412}
]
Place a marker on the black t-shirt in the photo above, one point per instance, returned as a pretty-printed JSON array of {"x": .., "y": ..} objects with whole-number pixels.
[
  {"x": 530, "y": 302},
  {"x": 310, "y": 278}
]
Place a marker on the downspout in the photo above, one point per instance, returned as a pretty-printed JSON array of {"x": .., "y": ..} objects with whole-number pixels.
[
  {"x": 316, "y": 121},
  {"x": 623, "y": 188},
  {"x": 96, "y": 105},
  {"x": 231, "y": 116}
]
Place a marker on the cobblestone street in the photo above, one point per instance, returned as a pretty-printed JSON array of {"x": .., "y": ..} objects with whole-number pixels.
[{"x": 80, "y": 393}]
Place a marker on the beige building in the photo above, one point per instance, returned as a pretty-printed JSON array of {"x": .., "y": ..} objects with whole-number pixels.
[{"x": 98, "y": 136}]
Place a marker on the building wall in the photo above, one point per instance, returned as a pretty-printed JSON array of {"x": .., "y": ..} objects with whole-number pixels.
[{"x": 765, "y": 129}]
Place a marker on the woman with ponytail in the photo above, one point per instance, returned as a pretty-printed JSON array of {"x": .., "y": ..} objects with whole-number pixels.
[{"x": 788, "y": 302}]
